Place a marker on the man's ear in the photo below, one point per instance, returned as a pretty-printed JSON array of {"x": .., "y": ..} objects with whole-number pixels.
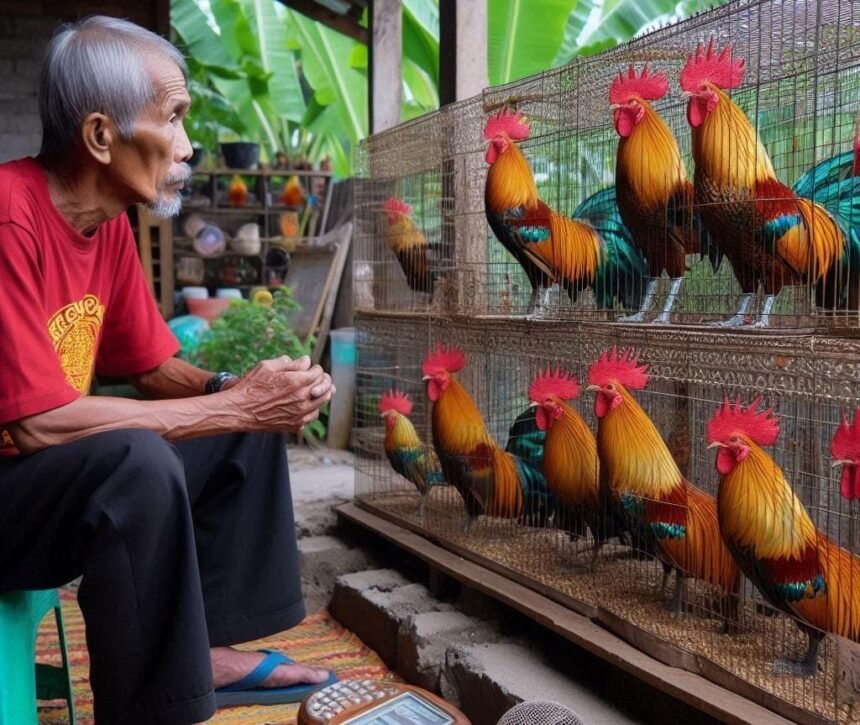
[{"x": 99, "y": 135}]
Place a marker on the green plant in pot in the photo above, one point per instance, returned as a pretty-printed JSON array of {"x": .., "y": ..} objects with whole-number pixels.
[{"x": 248, "y": 332}]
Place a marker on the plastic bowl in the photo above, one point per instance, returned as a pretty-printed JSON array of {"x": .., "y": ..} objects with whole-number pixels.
[{"x": 209, "y": 309}]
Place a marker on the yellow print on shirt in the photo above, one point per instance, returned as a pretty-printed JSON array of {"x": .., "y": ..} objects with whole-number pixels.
[{"x": 74, "y": 330}]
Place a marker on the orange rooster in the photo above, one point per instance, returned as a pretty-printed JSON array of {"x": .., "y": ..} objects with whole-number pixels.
[
  {"x": 845, "y": 449},
  {"x": 591, "y": 250},
  {"x": 404, "y": 449},
  {"x": 293, "y": 194},
  {"x": 655, "y": 197},
  {"x": 772, "y": 234},
  {"x": 797, "y": 568},
  {"x": 640, "y": 476},
  {"x": 491, "y": 481},
  {"x": 238, "y": 192},
  {"x": 570, "y": 462},
  {"x": 409, "y": 244}
]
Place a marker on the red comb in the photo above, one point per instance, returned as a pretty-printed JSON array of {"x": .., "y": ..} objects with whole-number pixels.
[
  {"x": 648, "y": 86},
  {"x": 619, "y": 366},
  {"x": 395, "y": 205},
  {"x": 707, "y": 66},
  {"x": 395, "y": 400},
  {"x": 761, "y": 426},
  {"x": 845, "y": 445},
  {"x": 559, "y": 383},
  {"x": 447, "y": 359},
  {"x": 513, "y": 125}
]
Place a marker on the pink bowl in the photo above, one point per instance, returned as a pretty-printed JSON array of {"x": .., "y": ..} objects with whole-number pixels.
[{"x": 208, "y": 308}]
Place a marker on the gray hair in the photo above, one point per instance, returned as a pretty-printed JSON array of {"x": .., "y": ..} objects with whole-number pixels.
[{"x": 97, "y": 65}]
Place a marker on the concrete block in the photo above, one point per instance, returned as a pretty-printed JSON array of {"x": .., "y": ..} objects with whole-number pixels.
[
  {"x": 486, "y": 680},
  {"x": 374, "y": 604},
  {"x": 323, "y": 559},
  {"x": 424, "y": 639}
]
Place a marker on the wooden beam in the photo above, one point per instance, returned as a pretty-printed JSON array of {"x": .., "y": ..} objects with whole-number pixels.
[
  {"x": 692, "y": 689},
  {"x": 447, "y": 52},
  {"x": 385, "y": 61},
  {"x": 462, "y": 49},
  {"x": 346, "y": 24}
]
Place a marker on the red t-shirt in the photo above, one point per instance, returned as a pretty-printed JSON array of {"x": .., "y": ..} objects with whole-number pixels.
[{"x": 71, "y": 304}]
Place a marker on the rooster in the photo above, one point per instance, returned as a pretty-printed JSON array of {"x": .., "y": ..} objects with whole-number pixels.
[
  {"x": 640, "y": 476},
  {"x": 409, "y": 244},
  {"x": 591, "y": 250},
  {"x": 773, "y": 235},
  {"x": 293, "y": 194},
  {"x": 404, "y": 449},
  {"x": 655, "y": 197},
  {"x": 491, "y": 481},
  {"x": 570, "y": 462},
  {"x": 238, "y": 192},
  {"x": 845, "y": 449},
  {"x": 797, "y": 568}
]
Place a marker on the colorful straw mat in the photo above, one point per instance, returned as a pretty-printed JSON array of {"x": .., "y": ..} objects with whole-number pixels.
[{"x": 318, "y": 640}]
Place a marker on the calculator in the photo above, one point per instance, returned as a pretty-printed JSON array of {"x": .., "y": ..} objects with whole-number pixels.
[{"x": 377, "y": 702}]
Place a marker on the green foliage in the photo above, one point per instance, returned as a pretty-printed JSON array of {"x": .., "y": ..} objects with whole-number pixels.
[
  {"x": 248, "y": 333},
  {"x": 262, "y": 72}
]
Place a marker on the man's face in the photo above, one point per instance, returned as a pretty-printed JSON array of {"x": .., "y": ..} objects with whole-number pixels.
[{"x": 151, "y": 165}]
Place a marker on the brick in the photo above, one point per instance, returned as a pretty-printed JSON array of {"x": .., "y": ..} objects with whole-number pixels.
[
  {"x": 374, "y": 604},
  {"x": 424, "y": 639},
  {"x": 323, "y": 559}
]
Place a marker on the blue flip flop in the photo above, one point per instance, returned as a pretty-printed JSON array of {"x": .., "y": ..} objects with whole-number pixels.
[{"x": 249, "y": 690}]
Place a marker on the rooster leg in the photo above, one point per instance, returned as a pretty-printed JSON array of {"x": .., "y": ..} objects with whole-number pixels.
[
  {"x": 422, "y": 509},
  {"x": 740, "y": 318},
  {"x": 807, "y": 666},
  {"x": 538, "y": 303},
  {"x": 764, "y": 320},
  {"x": 674, "y": 289},
  {"x": 666, "y": 571},
  {"x": 647, "y": 302},
  {"x": 676, "y": 606},
  {"x": 467, "y": 524}
]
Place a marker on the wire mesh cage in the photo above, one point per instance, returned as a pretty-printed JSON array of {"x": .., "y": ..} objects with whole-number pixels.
[
  {"x": 402, "y": 253},
  {"x": 714, "y": 533},
  {"x": 707, "y": 142},
  {"x": 647, "y": 491}
]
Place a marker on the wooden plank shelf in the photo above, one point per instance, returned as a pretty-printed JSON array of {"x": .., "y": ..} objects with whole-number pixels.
[{"x": 688, "y": 687}]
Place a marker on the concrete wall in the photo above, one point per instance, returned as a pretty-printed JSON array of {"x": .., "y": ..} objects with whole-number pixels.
[
  {"x": 25, "y": 29},
  {"x": 22, "y": 41}
]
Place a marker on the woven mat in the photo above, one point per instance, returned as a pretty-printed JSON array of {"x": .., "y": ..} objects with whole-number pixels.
[{"x": 318, "y": 640}]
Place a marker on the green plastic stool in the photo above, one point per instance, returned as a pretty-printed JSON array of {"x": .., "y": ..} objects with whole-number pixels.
[{"x": 21, "y": 684}]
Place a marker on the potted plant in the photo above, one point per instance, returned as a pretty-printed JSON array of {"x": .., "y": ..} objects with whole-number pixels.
[
  {"x": 239, "y": 154},
  {"x": 251, "y": 331}
]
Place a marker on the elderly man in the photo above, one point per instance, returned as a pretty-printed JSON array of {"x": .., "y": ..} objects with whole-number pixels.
[{"x": 175, "y": 510}]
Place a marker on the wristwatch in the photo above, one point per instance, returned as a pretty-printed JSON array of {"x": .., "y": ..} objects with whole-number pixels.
[{"x": 216, "y": 382}]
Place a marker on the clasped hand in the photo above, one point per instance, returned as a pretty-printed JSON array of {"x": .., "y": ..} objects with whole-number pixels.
[{"x": 283, "y": 394}]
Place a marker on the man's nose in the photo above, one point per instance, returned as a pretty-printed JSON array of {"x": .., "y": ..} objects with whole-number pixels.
[{"x": 183, "y": 150}]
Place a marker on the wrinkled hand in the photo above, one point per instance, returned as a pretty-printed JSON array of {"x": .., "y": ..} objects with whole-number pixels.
[{"x": 283, "y": 394}]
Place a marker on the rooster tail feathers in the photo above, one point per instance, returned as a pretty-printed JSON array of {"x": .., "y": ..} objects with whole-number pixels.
[
  {"x": 622, "y": 272},
  {"x": 823, "y": 175},
  {"x": 526, "y": 440},
  {"x": 538, "y": 501}
]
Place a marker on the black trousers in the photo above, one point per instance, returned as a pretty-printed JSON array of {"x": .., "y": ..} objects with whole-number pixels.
[{"x": 181, "y": 547}]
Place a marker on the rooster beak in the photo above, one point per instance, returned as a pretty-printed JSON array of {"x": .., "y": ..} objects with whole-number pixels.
[
  {"x": 687, "y": 94},
  {"x": 592, "y": 389},
  {"x": 716, "y": 444},
  {"x": 427, "y": 377},
  {"x": 836, "y": 464},
  {"x": 614, "y": 106},
  {"x": 533, "y": 405}
]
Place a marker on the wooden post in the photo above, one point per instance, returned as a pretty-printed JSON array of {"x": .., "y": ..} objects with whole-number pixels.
[
  {"x": 462, "y": 49},
  {"x": 386, "y": 60}
]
